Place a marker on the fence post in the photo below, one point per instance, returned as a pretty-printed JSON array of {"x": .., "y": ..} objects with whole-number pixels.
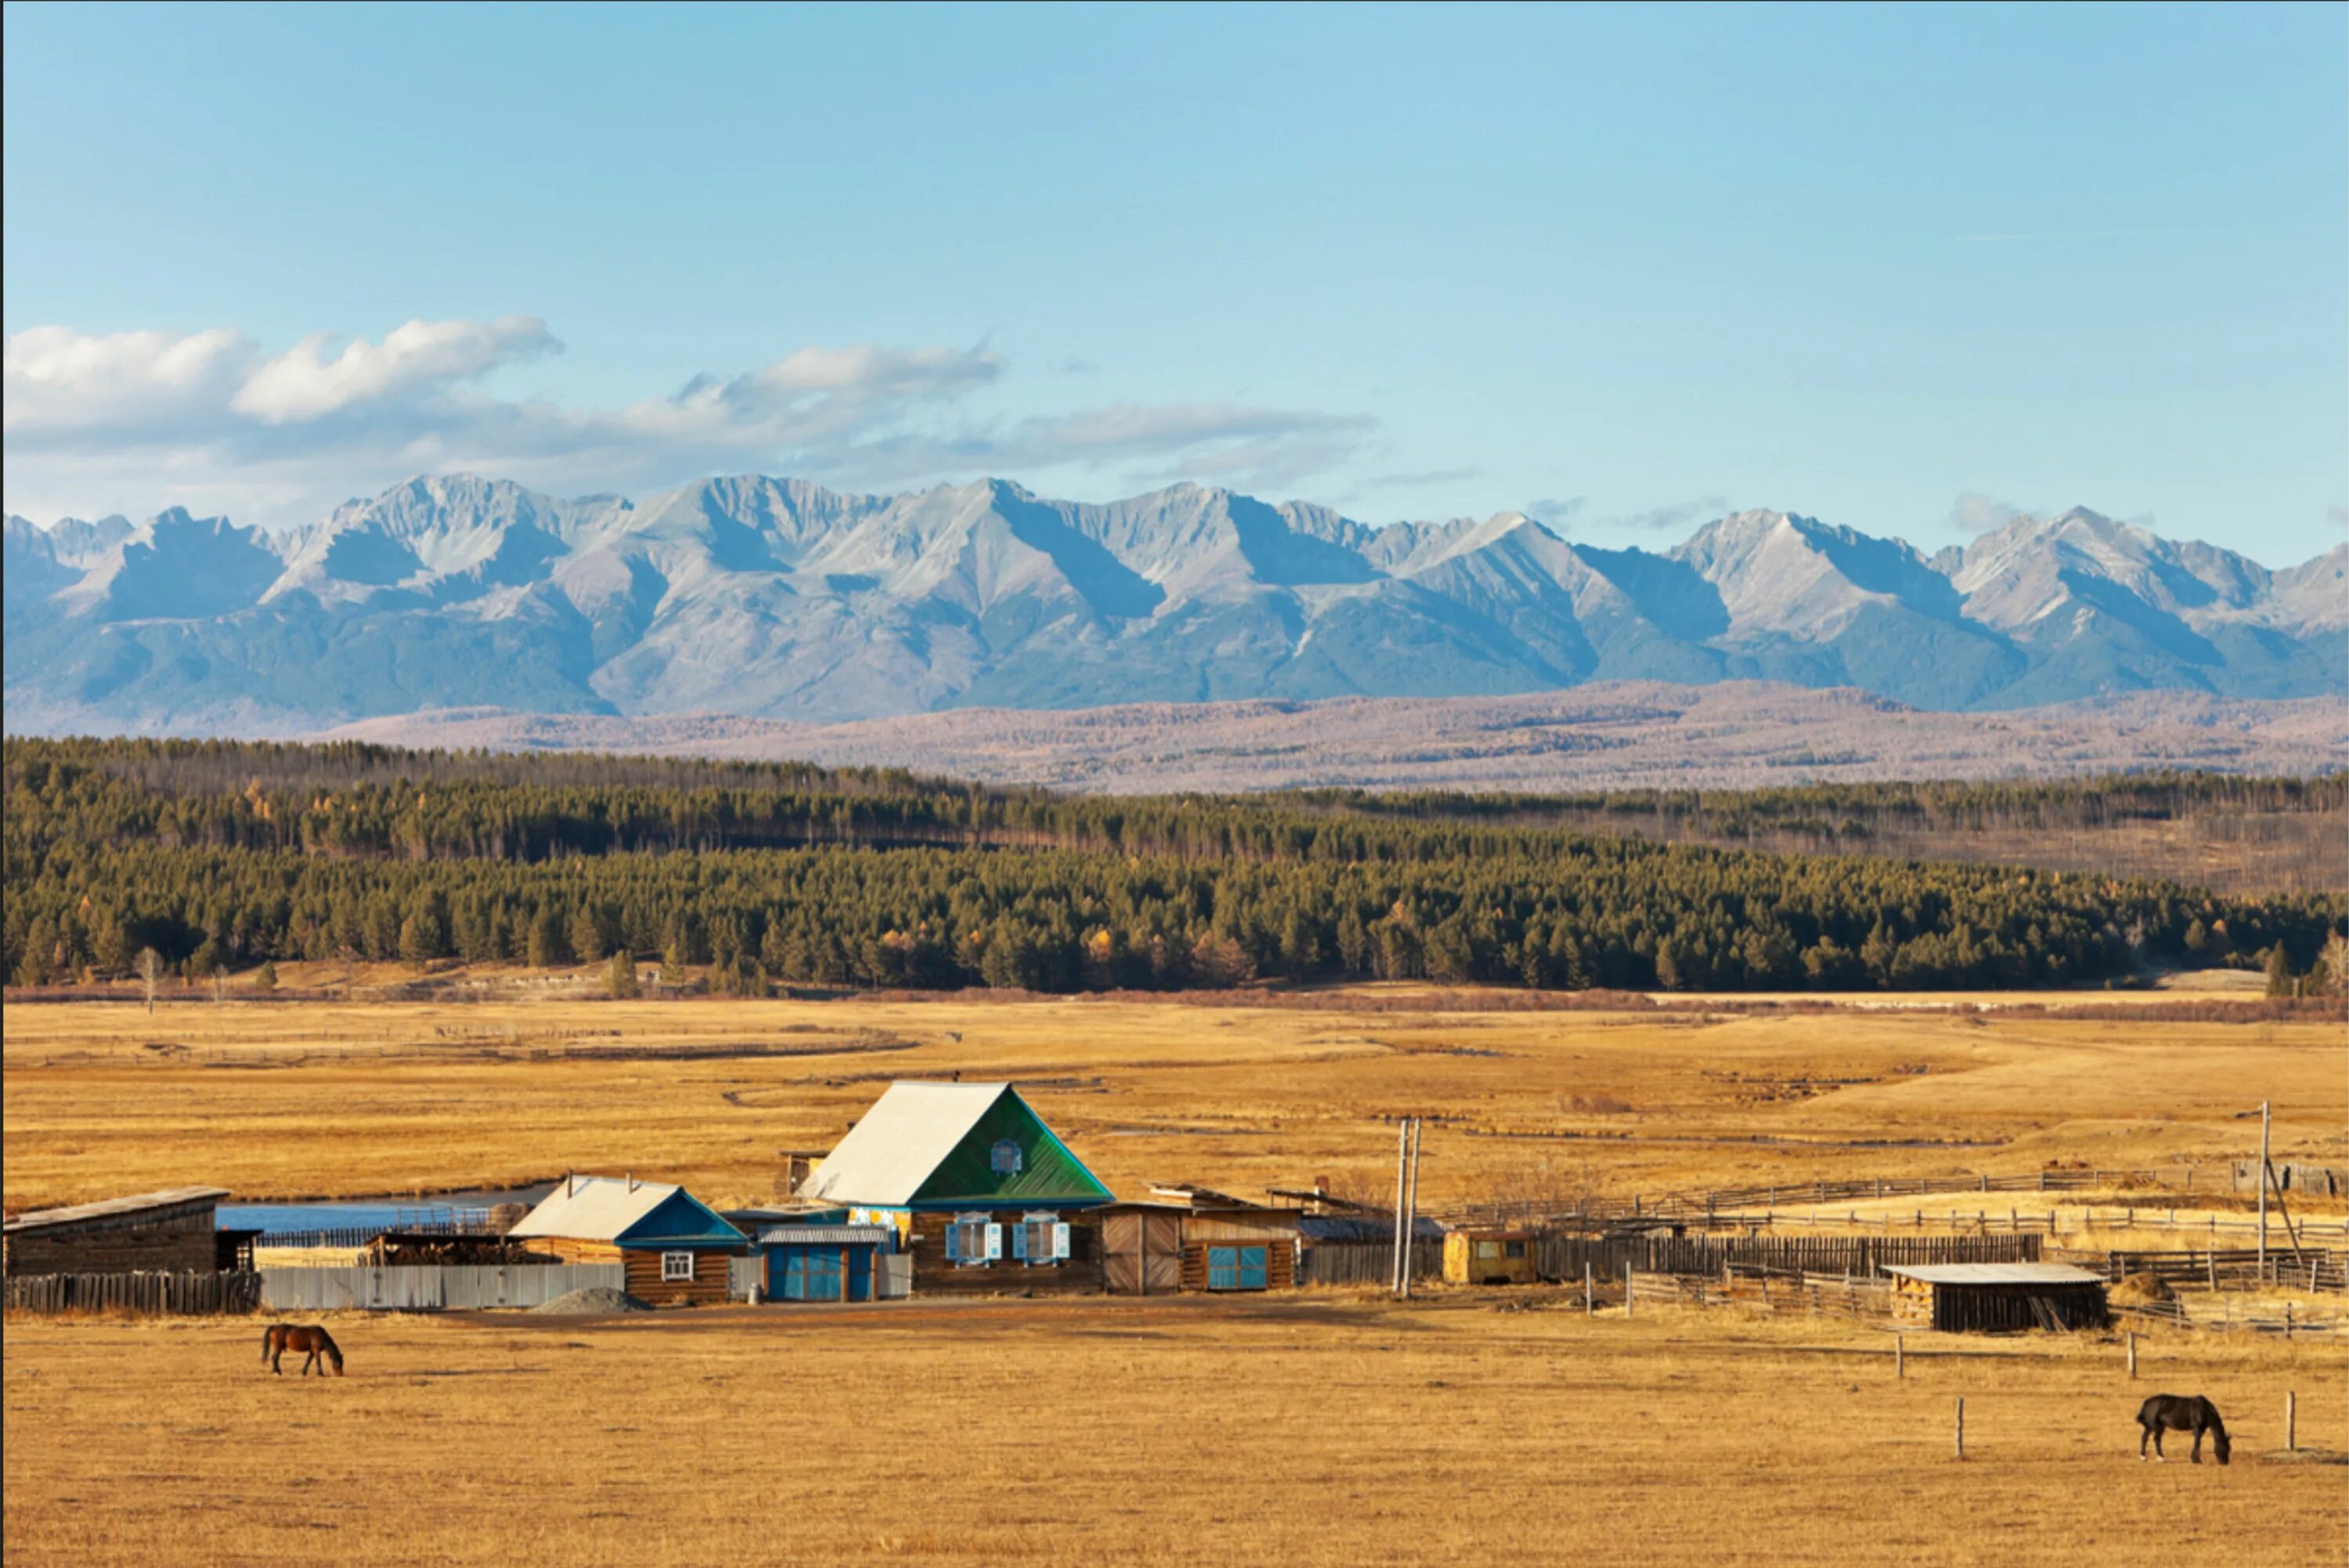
[
  {"x": 2132, "y": 1352},
  {"x": 1899, "y": 1355},
  {"x": 1590, "y": 1291},
  {"x": 1630, "y": 1287},
  {"x": 1962, "y": 1427},
  {"x": 2291, "y": 1421}
]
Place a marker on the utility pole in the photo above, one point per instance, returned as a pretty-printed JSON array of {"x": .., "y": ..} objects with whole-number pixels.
[
  {"x": 1403, "y": 1174},
  {"x": 2264, "y": 1119},
  {"x": 1411, "y": 1209}
]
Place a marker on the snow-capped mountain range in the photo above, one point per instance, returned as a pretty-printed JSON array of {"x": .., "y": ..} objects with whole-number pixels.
[{"x": 775, "y": 598}]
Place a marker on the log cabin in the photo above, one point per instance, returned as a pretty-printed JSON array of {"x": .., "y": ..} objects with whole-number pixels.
[
  {"x": 675, "y": 1250},
  {"x": 983, "y": 1197}
]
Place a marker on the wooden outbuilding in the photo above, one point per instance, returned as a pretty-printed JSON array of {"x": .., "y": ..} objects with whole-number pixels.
[
  {"x": 982, "y": 1196},
  {"x": 1485, "y": 1254},
  {"x": 1997, "y": 1298},
  {"x": 677, "y": 1250},
  {"x": 173, "y": 1230},
  {"x": 1217, "y": 1244}
]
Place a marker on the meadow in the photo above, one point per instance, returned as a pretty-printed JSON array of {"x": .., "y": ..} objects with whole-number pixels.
[
  {"x": 1321, "y": 1426},
  {"x": 1315, "y": 1429}
]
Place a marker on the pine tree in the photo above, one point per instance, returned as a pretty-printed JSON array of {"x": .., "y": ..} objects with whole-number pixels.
[{"x": 620, "y": 976}]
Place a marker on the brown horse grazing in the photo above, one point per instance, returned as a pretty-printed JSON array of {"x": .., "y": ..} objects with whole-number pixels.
[
  {"x": 280, "y": 1337},
  {"x": 2178, "y": 1413}
]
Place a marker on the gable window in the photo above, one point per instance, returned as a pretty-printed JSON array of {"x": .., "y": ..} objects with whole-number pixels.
[
  {"x": 1006, "y": 1158},
  {"x": 1040, "y": 1238},
  {"x": 1237, "y": 1268},
  {"x": 677, "y": 1267},
  {"x": 973, "y": 1241}
]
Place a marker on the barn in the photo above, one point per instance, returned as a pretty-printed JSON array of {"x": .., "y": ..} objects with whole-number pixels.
[
  {"x": 169, "y": 1231},
  {"x": 675, "y": 1248},
  {"x": 982, "y": 1196},
  {"x": 1191, "y": 1238},
  {"x": 1996, "y": 1298}
]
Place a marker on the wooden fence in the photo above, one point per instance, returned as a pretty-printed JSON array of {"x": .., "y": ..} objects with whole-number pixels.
[
  {"x": 1364, "y": 1262},
  {"x": 1799, "y": 1290},
  {"x": 2314, "y": 1269},
  {"x": 428, "y": 1288},
  {"x": 190, "y": 1293},
  {"x": 1563, "y": 1257}
]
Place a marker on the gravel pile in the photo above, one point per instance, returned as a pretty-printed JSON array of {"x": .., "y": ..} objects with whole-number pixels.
[{"x": 594, "y": 1298}]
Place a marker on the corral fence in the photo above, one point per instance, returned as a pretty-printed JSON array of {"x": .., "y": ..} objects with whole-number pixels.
[
  {"x": 2288, "y": 1321},
  {"x": 1723, "y": 1205},
  {"x": 2312, "y": 1268},
  {"x": 2315, "y": 1180},
  {"x": 1777, "y": 1289},
  {"x": 1608, "y": 1257},
  {"x": 421, "y": 1288},
  {"x": 191, "y": 1293},
  {"x": 1364, "y": 1262}
]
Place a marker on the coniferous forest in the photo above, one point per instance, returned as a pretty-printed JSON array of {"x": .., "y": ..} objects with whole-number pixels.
[{"x": 226, "y": 855}]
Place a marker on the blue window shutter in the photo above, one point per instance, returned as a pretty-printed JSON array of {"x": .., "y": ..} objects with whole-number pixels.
[
  {"x": 1020, "y": 1244},
  {"x": 953, "y": 1242},
  {"x": 994, "y": 1242},
  {"x": 1060, "y": 1243}
]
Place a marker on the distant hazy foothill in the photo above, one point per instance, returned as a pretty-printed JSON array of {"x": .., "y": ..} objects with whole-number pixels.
[{"x": 775, "y": 599}]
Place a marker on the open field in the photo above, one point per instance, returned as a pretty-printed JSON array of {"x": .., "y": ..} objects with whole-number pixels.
[
  {"x": 1319, "y": 1431},
  {"x": 367, "y": 1099}
]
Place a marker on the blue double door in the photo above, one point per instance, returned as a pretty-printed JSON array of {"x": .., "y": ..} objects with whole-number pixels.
[{"x": 810, "y": 1271}]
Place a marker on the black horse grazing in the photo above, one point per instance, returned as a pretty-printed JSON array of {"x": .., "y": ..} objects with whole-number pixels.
[
  {"x": 2178, "y": 1413},
  {"x": 280, "y": 1337}
]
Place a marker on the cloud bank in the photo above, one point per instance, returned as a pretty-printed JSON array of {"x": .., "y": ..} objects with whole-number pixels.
[{"x": 132, "y": 421}]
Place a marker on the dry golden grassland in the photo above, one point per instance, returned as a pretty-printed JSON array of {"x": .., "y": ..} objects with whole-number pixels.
[
  {"x": 1313, "y": 1429},
  {"x": 1320, "y": 1427},
  {"x": 365, "y": 1099}
]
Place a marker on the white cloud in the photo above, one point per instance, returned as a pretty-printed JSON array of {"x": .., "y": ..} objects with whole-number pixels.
[
  {"x": 421, "y": 357},
  {"x": 58, "y": 381},
  {"x": 135, "y": 421}
]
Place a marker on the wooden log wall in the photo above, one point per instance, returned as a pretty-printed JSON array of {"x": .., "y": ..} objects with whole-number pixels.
[
  {"x": 1365, "y": 1263},
  {"x": 1080, "y": 1274},
  {"x": 185, "y": 1293},
  {"x": 177, "y": 1242}
]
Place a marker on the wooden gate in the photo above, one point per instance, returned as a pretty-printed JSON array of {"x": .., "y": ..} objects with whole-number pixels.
[{"x": 1142, "y": 1252}]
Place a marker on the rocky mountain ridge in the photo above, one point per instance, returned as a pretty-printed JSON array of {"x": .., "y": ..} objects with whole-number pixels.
[{"x": 776, "y": 598}]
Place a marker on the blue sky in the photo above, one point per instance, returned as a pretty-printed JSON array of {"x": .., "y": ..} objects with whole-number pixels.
[{"x": 1900, "y": 268}]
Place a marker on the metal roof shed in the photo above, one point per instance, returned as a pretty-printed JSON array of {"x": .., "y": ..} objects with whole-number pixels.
[
  {"x": 671, "y": 1244},
  {"x": 169, "y": 1230},
  {"x": 1997, "y": 1298}
]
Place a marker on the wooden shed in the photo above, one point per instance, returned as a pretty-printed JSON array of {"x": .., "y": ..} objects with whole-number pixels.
[
  {"x": 1219, "y": 1243},
  {"x": 1485, "y": 1255},
  {"x": 676, "y": 1249},
  {"x": 1996, "y": 1298},
  {"x": 170, "y": 1230},
  {"x": 983, "y": 1196}
]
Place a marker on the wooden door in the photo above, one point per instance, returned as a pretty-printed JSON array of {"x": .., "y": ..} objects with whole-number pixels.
[{"x": 1142, "y": 1255}]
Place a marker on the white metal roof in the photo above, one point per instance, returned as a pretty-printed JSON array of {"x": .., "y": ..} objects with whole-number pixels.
[
  {"x": 907, "y": 1134},
  {"x": 828, "y": 1236},
  {"x": 110, "y": 1208},
  {"x": 1994, "y": 1274},
  {"x": 594, "y": 1208}
]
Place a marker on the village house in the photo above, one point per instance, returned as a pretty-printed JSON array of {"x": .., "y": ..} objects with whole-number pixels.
[
  {"x": 677, "y": 1250},
  {"x": 1192, "y": 1238},
  {"x": 979, "y": 1194}
]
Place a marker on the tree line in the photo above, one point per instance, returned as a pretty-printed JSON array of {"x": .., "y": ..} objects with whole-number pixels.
[{"x": 227, "y": 855}]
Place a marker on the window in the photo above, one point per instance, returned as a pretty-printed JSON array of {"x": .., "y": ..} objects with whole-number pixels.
[
  {"x": 1516, "y": 1249},
  {"x": 676, "y": 1266},
  {"x": 1488, "y": 1249},
  {"x": 1006, "y": 1158},
  {"x": 1039, "y": 1239},
  {"x": 1236, "y": 1268},
  {"x": 972, "y": 1242}
]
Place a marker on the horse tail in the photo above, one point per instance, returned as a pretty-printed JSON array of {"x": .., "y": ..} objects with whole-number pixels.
[{"x": 268, "y": 1336}]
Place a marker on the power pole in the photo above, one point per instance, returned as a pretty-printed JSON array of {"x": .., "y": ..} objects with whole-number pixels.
[
  {"x": 1411, "y": 1209},
  {"x": 1403, "y": 1174},
  {"x": 2264, "y": 1119}
]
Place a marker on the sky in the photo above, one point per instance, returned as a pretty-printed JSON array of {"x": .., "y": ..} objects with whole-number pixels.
[{"x": 1905, "y": 269}]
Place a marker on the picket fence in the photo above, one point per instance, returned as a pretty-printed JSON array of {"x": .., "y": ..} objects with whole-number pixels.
[{"x": 420, "y": 1287}]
